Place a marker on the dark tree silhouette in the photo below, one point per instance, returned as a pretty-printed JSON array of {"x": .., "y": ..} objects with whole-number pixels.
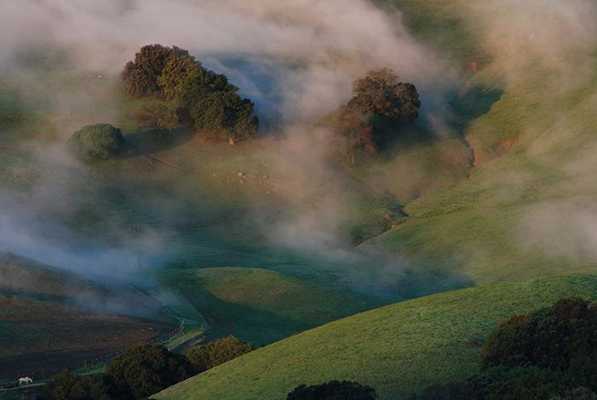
[
  {"x": 334, "y": 390},
  {"x": 380, "y": 106},
  {"x": 204, "y": 357},
  {"x": 146, "y": 370}
]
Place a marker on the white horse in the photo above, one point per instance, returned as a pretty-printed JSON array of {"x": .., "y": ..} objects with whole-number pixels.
[{"x": 25, "y": 381}]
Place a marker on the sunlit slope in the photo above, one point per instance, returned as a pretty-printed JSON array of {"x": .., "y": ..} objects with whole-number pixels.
[
  {"x": 521, "y": 211},
  {"x": 258, "y": 305},
  {"x": 396, "y": 349}
]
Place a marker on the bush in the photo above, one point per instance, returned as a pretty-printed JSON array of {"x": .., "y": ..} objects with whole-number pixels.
[
  {"x": 549, "y": 354},
  {"x": 190, "y": 94},
  {"x": 333, "y": 390},
  {"x": 503, "y": 384},
  {"x": 207, "y": 356},
  {"x": 68, "y": 386},
  {"x": 560, "y": 338},
  {"x": 146, "y": 370},
  {"x": 99, "y": 142}
]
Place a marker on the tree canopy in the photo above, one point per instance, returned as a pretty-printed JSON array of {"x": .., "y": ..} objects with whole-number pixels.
[
  {"x": 187, "y": 94},
  {"x": 550, "y": 354},
  {"x": 146, "y": 370},
  {"x": 380, "y": 105},
  {"x": 206, "y": 356},
  {"x": 97, "y": 142}
]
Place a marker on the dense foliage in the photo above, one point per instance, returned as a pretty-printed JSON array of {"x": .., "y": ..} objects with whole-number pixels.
[
  {"x": 146, "y": 370},
  {"x": 68, "y": 386},
  {"x": 549, "y": 354},
  {"x": 204, "y": 357},
  {"x": 141, "y": 76},
  {"x": 143, "y": 371},
  {"x": 184, "y": 93},
  {"x": 334, "y": 390},
  {"x": 374, "y": 115},
  {"x": 563, "y": 337},
  {"x": 504, "y": 384},
  {"x": 97, "y": 142}
]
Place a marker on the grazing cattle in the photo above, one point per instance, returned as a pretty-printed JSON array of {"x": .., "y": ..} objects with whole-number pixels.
[{"x": 25, "y": 381}]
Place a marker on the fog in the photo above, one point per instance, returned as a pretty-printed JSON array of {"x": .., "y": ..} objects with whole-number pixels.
[{"x": 297, "y": 60}]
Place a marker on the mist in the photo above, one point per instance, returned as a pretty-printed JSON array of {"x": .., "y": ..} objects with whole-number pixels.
[{"x": 297, "y": 60}]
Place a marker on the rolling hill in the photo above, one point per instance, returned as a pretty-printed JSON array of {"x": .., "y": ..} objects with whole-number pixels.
[
  {"x": 397, "y": 349},
  {"x": 257, "y": 305},
  {"x": 524, "y": 210}
]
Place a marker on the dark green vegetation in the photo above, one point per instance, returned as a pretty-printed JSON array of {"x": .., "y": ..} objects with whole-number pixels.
[
  {"x": 510, "y": 384},
  {"x": 181, "y": 92},
  {"x": 145, "y": 370},
  {"x": 68, "y": 386},
  {"x": 212, "y": 354},
  {"x": 142, "y": 371},
  {"x": 397, "y": 350},
  {"x": 97, "y": 142},
  {"x": 333, "y": 390},
  {"x": 547, "y": 354},
  {"x": 569, "y": 326}
]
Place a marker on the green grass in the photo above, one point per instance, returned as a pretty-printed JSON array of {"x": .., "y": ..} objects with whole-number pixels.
[
  {"x": 397, "y": 349},
  {"x": 532, "y": 150},
  {"x": 257, "y": 305}
]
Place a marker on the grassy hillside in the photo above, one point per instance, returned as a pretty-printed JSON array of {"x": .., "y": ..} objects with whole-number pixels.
[
  {"x": 396, "y": 349},
  {"x": 257, "y": 305},
  {"x": 510, "y": 218}
]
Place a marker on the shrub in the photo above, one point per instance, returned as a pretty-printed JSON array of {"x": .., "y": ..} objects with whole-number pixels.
[
  {"x": 204, "y": 357},
  {"x": 68, "y": 386},
  {"x": 560, "y": 338},
  {"x": 100, "y": 142},
  {"x": 333, "y": 390},
  {"x": 549, "y": 354},
  {"x": 146, "y": 370},
  {"x": 503, "y": 384}
]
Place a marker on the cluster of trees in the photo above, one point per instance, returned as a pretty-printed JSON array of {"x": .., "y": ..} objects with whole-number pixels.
[
  {"x": 550, "y": 354},
  {"x": 181, "y": 92},
  {"x": 144, "y": 371},
  {"x": 373, "y": 117}
]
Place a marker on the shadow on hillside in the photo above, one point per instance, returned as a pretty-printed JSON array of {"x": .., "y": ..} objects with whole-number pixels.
[
  {"x": 149, "y": 141},
  {"x": 451, "y": 115},
  {"x": 467, "y": 106},
  {"x": 256, "y": 326},
  {"x": 387, "y": 276}
]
